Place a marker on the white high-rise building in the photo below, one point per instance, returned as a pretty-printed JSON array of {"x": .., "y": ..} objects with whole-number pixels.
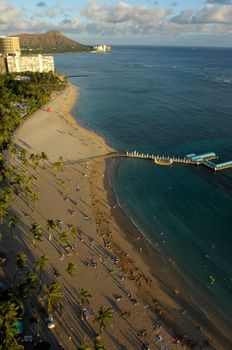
[
  {"x": 12, "y": 61},
  {"x": 34, "y": 63}
]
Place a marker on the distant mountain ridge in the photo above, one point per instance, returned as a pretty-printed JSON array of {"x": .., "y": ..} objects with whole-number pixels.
[{"x": 52, "y": 41}]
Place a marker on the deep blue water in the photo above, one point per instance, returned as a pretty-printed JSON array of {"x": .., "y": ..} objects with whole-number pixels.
[{"x": 171, "y": 101}]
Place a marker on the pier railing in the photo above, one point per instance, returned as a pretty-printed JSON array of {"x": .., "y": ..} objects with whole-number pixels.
[
  {"x": 168, "y": 160},
  {"x": 161, "y": 159}
]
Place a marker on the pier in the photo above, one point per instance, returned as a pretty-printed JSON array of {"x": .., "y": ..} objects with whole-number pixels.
[
  {"x": 189, "y": 159},
  {"x": 192, "y": 159},
  {"x": 222, "y": 166},
  {"x": 160, "y": 159}
]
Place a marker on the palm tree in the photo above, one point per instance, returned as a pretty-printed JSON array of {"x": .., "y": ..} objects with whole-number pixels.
[
  {"x": 36, "y": 231},
  {"x": 7, "y": 173},
  {"x": 25, "y": 160},
  {"x": 13, "y": 149},
  {"x": 58, "y": 165},
  {"x": 83, "y": 347},
  {"x": 52, "y": 297},
  {"x": 31, "y": 280},
  {"x": 3, "y": 209},
  {"x": 73, "y": 231},
  {"x": 51, "y": 224},
  {"x": 27, "y": 190},
  {"x": 84, "y": 296},
  {"x": 64, "y": 238},
  {"x": 40, "y": 265},
  {"x": 35, "y": 158},
  {"x": 21, "y": 261},
  {"x": 24, "y": 156},
  {"x": 7, "y": 193},
  {"x": 104, "y": 315},
  {"x": 43, "y": 156},
  {"x": 8, "y": 318},
  {"x": 30, "y": 180},
  {"x": 71, "y": 269},
  {"x": 34, "y": 197},
  {"x": 19, "y": 292},
  {"x": 12, "y": 221},
  {"x": 17, "y": 179}
]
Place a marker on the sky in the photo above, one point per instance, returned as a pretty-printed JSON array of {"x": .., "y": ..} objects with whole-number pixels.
[{"x": 127, "y": 22}]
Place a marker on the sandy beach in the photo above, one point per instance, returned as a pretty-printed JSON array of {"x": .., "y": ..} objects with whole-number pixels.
[{"x": 115, "y": 269}]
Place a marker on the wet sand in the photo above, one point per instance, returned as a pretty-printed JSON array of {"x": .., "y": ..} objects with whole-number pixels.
[{"x": 110, "y": 261}]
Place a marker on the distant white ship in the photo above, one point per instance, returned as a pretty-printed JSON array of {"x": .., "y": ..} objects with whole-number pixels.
[{"x": 102, "y": 48}]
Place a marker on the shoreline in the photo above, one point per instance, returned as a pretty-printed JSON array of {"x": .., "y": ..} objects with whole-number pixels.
[
  {"x": 152, "y": 257},
  {"x": 96, "y": 203}
]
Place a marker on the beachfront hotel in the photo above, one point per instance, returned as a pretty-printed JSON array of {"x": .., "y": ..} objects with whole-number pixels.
[
  {"x": 35, "y": 63},
  {"x": 102, "y": 48},
  {"x": 11, "y": 60}
]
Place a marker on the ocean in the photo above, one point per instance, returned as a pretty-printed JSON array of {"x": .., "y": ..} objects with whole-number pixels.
[{"x": 170, "y": 101}]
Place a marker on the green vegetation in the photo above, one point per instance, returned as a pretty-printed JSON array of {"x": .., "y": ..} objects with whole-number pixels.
[
  {"x": 71, "y": 269},
  {"x": 41, "y": 266},
  {"x": 54, "y": 50},
  {"x": 51, "y": 224},
  {"x": 104, "y": 316},
  {"x": 84, "y": 296},
  {"x": 98, "y": 346},
  {"x": 84, "y": 347},
  {"x": 8, "y": 318},
  {"x": 22, "y": 94},
  {"x": 52, "y": 297},
  {"x": 29, "y": 285},
  {"x": 36, "y": 231},
  {"x": 58, "y": 165},
  {"x": 21, "y": 261}
]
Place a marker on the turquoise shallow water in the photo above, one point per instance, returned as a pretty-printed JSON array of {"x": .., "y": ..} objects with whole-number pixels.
[{"x": 173, "y": 101}]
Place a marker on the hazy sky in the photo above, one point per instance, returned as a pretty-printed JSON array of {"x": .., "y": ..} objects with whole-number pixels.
[{"x": 147, "y": 22}]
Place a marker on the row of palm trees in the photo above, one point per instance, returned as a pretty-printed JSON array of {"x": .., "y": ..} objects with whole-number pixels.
[
  {"x": 25, "y": 285},
  {"x": 51, "y": 295},
  {"x": 103, "y": 317},
  {"x": 15, "y": 181},
  {"x": 63, "y": 237}
]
